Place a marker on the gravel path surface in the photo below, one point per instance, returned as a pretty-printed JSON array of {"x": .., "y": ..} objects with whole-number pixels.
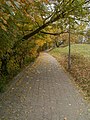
[{"x": 43, "y": 92}]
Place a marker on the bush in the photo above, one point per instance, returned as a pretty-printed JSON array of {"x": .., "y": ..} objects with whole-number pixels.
[{"x": 3, "y": 82}]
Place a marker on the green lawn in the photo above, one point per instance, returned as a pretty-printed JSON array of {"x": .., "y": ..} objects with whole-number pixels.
[
  {"x": 80, "y": 64},
  {"x": 82, "y": 49}
]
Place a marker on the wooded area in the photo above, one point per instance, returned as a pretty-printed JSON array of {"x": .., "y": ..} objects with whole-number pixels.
[{"x": 31, "y": 26}]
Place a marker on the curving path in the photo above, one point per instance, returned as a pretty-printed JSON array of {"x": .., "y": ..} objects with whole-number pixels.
[{"x": 43, "y": 92}]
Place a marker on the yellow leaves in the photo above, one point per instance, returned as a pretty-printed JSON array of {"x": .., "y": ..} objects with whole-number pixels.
[
  {"x": 6, "y": 16},
  {"x": 65, "y": 37},
  {"x": 4, "y": 21},
  {"x": 45, "y": 1},
  {"x": 44, "y": 43},
  {"x": 3, "y": 27},
  {"x": 23, "y": 1},
  {"x": 48, "y": 39},
  {"x": 40, "y": 42},
  {"x": 33, "y": 52}
]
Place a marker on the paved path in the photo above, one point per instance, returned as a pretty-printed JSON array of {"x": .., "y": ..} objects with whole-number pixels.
[{"x": 43, "y": 92}]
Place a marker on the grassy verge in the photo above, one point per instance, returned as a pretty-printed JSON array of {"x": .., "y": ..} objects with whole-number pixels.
[{"x": 80, "y": 64}]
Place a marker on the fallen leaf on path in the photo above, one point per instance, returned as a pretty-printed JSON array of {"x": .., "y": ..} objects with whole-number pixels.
[
  {"x": 69, "y": 104},
  {"x": 37, "y": 80},
  {"x": 88, "y": 110},
  {"x": 27, "y": 76},
  {"x": 65, "y": 118}
]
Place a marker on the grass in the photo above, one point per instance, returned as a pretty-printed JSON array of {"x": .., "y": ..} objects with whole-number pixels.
[{"x": 80, "y": 64}]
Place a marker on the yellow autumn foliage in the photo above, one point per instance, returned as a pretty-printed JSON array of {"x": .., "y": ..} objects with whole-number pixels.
[{"x": 40, "y": 42}]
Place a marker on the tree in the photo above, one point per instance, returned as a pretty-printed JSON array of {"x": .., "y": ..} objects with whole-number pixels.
[{"x": 62, "y": 10}]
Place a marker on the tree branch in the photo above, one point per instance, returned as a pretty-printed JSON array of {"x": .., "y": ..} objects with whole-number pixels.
[
  {"x": 36, "y": 31},
  {"x": 53, "y": 19},
  {"x": 53, "y": 33}
]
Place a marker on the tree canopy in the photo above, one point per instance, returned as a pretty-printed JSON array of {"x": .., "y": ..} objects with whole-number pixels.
[{"x": 61, "y": 11}]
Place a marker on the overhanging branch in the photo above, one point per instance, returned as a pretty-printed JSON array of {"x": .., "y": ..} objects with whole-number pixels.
[
  {"x": 52, "y": 19},
  {"x": 53, "y": 33}
]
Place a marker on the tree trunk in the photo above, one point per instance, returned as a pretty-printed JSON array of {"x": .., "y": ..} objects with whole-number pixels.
[{"x": 4, "y": 70}]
